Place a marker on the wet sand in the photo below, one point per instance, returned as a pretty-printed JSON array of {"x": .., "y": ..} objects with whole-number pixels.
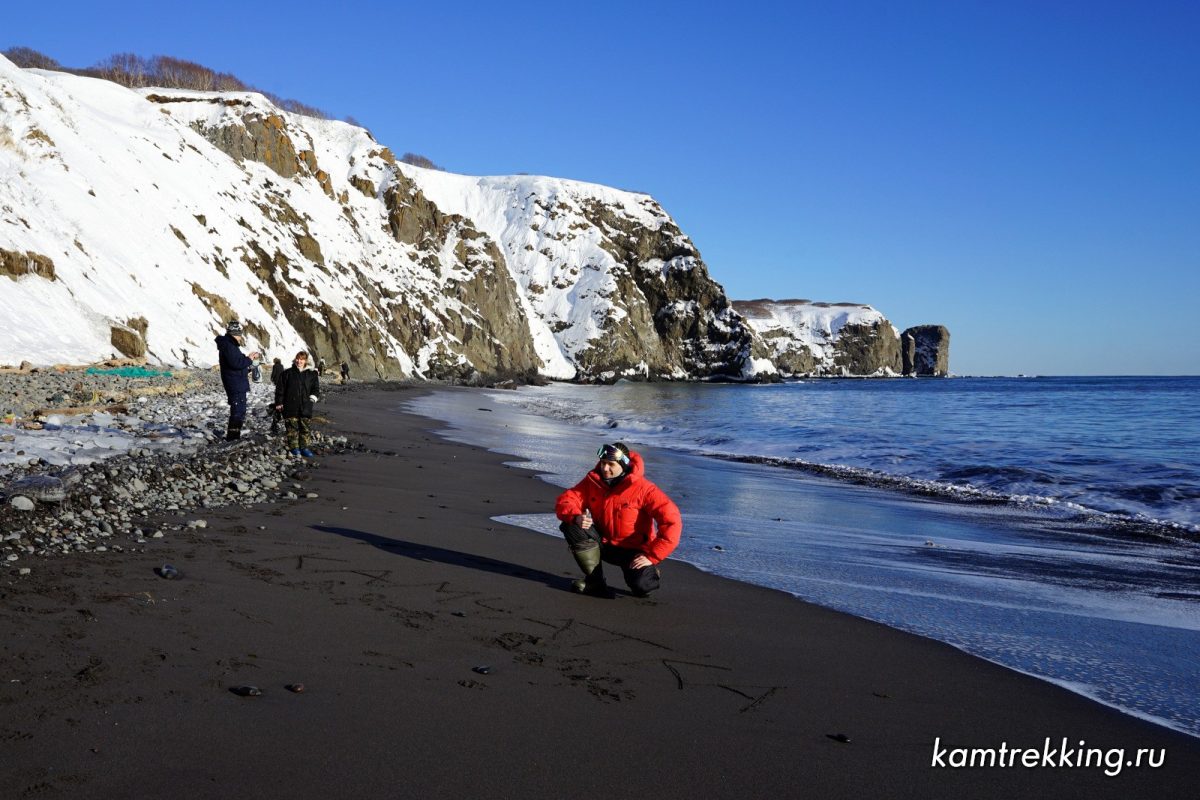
[{"x": 382, "y": 595}]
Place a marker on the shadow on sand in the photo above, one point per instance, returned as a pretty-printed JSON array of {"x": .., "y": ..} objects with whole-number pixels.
[{"x": 425, "y": 552}]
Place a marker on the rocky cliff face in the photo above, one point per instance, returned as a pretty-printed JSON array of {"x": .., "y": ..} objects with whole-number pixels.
[
  {"x": 802, "y": 337},
  {"x": 925, "y": 350},
  {"x": 183, "y": 209},
  {"x": 140, "y": 222}
]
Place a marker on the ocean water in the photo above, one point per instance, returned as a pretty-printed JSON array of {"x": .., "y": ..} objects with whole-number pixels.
[{"x": 1051, "y": 525}]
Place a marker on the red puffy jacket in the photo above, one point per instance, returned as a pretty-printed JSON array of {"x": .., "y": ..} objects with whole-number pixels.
[{"x": 634, "y": 514}]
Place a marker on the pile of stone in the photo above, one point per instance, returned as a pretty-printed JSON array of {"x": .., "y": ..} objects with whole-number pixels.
[
  {"x": 108, "y": 506},
  {"x": 171, "y": 464}
]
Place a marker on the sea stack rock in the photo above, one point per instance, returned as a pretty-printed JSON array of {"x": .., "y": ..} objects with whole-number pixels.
[{"x": 925, "y": 350}]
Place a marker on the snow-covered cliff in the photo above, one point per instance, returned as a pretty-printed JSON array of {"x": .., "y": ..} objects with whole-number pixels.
[
  {"x": 138, "y": 222},
  {"x": 802, "y": 337}
]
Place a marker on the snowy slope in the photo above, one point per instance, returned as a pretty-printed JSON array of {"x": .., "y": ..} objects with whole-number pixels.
[
  {"x": 134, "y": 208},
  {"x": 556, "y": 256},
  {"x": 165, "y": 212},
  {"x": 139, "y": 222}
]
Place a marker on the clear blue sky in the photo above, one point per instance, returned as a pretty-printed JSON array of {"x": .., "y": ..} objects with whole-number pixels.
[{"x": 1026, "y": 173}]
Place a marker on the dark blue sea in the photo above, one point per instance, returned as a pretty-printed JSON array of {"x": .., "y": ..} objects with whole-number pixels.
[{"x": 1048, "y": 524}]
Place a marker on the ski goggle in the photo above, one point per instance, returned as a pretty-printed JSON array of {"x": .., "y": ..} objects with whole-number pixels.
[{"x": 609, "y": 452}]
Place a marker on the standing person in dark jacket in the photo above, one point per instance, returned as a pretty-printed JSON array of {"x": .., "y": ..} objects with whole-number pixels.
[
  {"x": 235, "y": 366},
  {"x": 276, "y": 416},
  {"x": 295, "y": 393}
]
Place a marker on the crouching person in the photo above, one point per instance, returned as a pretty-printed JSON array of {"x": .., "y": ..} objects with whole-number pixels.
[
  {"x": 614, "y": 514},
  {"x": 296, "y": 391}
]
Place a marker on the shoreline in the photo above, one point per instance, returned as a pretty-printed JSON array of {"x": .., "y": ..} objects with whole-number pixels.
[
  {"x": 1054, "y": 496},
  {"x": 383, "y": 593},
  {"x": 457, "y": 426}
]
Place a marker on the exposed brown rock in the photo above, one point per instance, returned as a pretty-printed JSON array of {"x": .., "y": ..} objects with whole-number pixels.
[
  {"x": 16, "y": 264},
  {"x": 363, "y": 185},
  {"x": 128, "y": 341},
  {"x": 261, "y": 138},
  {"x": 680, "y": 320},
  {"x": 867, "y": 349}
]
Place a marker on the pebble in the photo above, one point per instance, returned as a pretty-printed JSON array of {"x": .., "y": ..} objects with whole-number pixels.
[
  {"x": 24, "y": 571},
  {"x": 312, "y": 495},
  {"x": 156, "y": 535},
  {"x": 246, "y": 691},
  {"x": 166, "y": 572},
  {"x": 21, "y": 503},
  {"x": 295, "y": 688},
  {"x": 482, "y": 669}
]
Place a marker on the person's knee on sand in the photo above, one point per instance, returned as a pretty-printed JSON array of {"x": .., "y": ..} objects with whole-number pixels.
[{"x": 640, "y": 580}]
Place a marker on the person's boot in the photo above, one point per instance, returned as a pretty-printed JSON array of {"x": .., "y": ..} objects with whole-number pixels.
[
  {"x": 592, "y": 581},
  {"x": 233, "y": 432}
]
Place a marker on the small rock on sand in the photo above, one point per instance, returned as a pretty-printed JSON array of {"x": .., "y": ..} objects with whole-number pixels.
[{"x": 21, "y": 503}]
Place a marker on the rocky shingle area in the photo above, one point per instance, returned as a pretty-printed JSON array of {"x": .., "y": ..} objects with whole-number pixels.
[{"x": 103, "y": 461}]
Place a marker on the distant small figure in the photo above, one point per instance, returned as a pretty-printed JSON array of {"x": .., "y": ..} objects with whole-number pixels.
[
  {"x": 345, "y": 372},
  {"x": 321, "y": 366},
  {"x": 296, "y": 391},
  {"x": 277, "y": 369},
  {"x": 614, "y": 514},
  {"x": 235, "y": 366},
  {"x": 186, "y": 361}
]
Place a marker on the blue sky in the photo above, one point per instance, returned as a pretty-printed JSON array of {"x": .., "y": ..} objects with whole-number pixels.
[{"x": 1026, "y": 173}]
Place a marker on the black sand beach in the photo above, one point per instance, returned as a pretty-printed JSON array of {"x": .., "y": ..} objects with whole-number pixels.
[{"x": 384, "y": 593}]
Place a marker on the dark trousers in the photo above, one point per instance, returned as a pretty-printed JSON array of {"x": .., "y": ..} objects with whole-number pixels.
[
  {"x": 640, "y": 581},
  {"x": 237, "y": 408}
]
